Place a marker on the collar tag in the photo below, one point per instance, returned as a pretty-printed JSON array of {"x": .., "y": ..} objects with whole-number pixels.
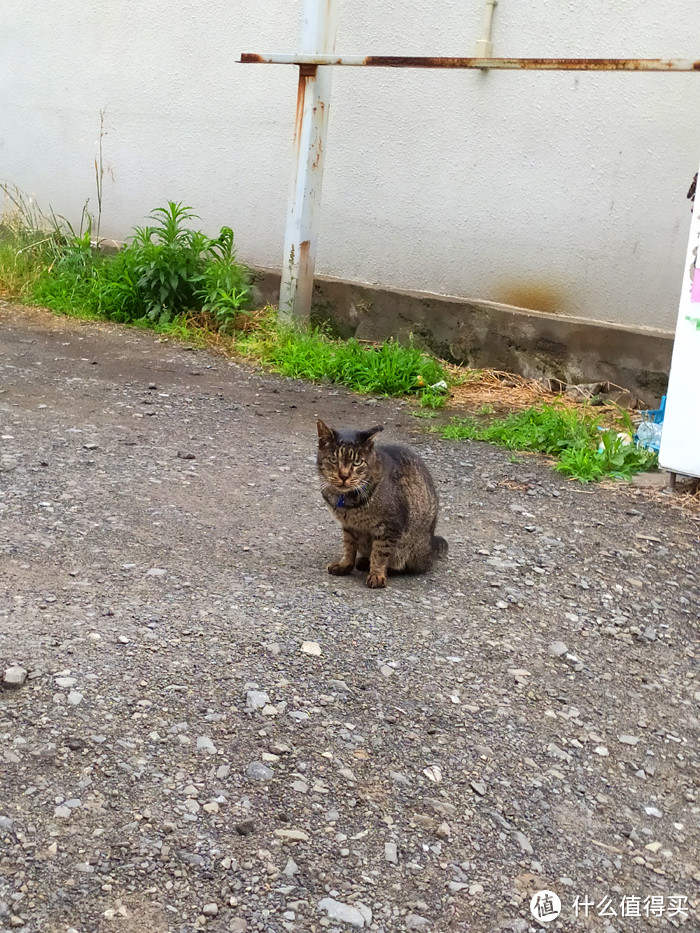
[{"x": 341, "y": 502}]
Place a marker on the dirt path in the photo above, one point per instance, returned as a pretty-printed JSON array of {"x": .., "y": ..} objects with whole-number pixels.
[{"x": 442, "y": 759}]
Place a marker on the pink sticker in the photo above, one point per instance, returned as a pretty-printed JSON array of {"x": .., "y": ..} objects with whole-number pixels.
[{"x": 695, "y": 287}]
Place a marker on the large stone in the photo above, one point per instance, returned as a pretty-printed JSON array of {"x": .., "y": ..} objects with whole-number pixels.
[
  {"x": 311, "y": 647},
  {"x": 257, "y": 771},
  {"x": 346, "y": 913},
  {"x": 256, "y": 699},
  {"x": 15, "y": 676}
]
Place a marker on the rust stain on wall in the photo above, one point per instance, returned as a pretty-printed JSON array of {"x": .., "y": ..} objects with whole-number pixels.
[{"x": 535, "y": 296}]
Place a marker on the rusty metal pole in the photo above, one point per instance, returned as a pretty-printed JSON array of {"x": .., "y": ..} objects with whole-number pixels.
[{"x": 310, "y": 127}]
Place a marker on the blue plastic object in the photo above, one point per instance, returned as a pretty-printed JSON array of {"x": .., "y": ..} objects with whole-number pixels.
[{"x": 651, "y": 416}]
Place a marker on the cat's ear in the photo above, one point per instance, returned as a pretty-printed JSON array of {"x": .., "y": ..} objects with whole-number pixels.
[
  {"x": 326, "y": 435},
  {"x": 366, "y": 436}
]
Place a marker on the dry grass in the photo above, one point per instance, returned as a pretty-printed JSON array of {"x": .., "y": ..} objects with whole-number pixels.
[
  {"x": 491, "y": 391},
  {"x": 686, "y": 497}
]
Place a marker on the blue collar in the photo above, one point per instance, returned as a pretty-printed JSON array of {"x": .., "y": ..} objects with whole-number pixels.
[{"x": 348, "y": 500}]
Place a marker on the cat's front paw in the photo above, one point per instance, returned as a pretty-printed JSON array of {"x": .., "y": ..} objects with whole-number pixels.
[
  {"x": 340, "y": 569},
  {"x": 376, "y": 581}
]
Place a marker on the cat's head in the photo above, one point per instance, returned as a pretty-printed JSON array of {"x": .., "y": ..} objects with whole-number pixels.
[{"x": 346, "y": 459}]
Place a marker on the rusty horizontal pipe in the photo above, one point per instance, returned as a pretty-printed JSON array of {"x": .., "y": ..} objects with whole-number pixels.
[{"x": 515, "y": 64}]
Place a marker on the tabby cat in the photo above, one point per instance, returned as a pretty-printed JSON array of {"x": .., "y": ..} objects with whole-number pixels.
[{"x": 385, "y": 500}]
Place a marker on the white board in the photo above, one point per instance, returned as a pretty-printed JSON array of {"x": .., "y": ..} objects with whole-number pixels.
[{"x": 680, "y": 438}]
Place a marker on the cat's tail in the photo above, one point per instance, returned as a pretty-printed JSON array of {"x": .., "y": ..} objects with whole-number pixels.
[{"x": 440, "y": 546}]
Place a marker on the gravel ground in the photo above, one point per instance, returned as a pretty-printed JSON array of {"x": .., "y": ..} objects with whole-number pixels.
[{"x": 215, "y": 734}]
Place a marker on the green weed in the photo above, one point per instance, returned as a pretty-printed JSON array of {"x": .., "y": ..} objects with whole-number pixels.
[{"x": 583, "y": 449}]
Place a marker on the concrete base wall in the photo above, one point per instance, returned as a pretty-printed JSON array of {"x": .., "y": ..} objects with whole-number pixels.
[{"x": 484, "y": 334}]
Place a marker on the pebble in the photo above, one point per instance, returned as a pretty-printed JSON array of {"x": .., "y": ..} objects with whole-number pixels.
[
  {"x": 311, "y": 647},
  {"x": 291, "y": 868},
  {"x": 557, "y": 649},
  {"x": 62, "y": 813},
  {"x": 256, "y": 699},
  {"x": 478, "y": 787},
  {"x": 185, "y": 455},
  {"x": 210, "y": 910},
  {"x": 205, "y": 744},
  {"x": 66, "y": 682},
  {"x": 443, "y": 831},
  {"x": 299, "y": 715},
  {"x": 345, "y": 913},
  {"x": 237, "y": 925},
  {"x": 156, "y": 572},
  {"x": 257, "y": 771},
  {"x": 245, "y": 827},
  {"x": 75, "y": 698},
  {"x": 433, "y": 773},
  {"x": 292, "y": 835},
  {"x": 628, "y": 739},
  {"x": 524, "y": 843},
  {"x": 399, "y": 778},
  {"x": 391, "y": 852},
  {"x": 15, "y": 676},
  {"x": 416, "y": 922},
  {"x": 653, "y": 811}
]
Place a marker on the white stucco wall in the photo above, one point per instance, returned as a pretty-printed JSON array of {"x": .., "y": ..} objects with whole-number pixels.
[{"x": 533, "y": 188}]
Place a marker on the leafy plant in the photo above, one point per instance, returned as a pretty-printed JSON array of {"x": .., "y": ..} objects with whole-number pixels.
[
  {"x": 622, "y": 459},
  {"x": 580, "y": 462},
  {"x": 225, "y": 289},
  {"x": 169, "y": 262}
]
